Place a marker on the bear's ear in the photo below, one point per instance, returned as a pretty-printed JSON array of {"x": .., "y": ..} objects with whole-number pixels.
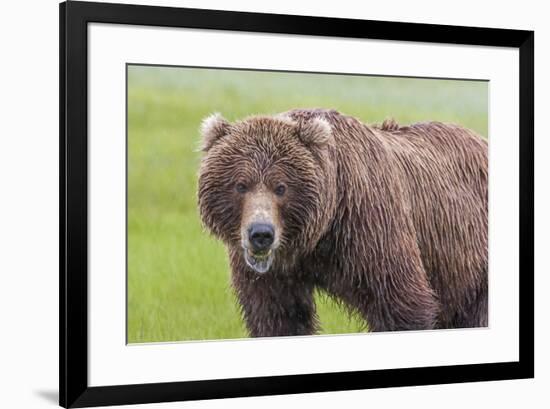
[
  {"x": 213, "y": 128},
  {"x": 315, "y": 132}
]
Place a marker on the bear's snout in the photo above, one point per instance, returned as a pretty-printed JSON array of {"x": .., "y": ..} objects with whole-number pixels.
[
  {"x": 260, "y": 232},
  {"x": 261, "y": 236}
]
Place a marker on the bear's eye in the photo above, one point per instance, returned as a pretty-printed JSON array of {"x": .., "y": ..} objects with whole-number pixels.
[
  {"x": 280, "y": 190},
  {"x": 240, "y": 187}
]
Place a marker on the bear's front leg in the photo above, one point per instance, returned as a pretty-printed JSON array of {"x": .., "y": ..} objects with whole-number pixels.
[
  {"x": 382, "y": 273},
  {"x": 273, "y": 304},
  {"x": 401, "y": 303}
]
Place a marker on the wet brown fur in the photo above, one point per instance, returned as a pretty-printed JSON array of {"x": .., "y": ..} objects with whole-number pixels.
[{"x": 390, "y": 220}]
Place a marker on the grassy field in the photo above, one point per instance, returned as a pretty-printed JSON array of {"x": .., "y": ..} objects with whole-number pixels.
[{"x": 178, "y": 276}]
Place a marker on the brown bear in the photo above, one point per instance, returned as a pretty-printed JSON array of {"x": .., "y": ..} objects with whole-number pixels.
[{"x": 390, "y": 220}]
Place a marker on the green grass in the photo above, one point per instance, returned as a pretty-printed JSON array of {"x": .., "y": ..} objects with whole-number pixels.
[{"x": 178, "y": 276}]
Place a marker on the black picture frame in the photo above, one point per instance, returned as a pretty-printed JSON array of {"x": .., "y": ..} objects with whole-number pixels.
[{"x": 73, "y": 349}]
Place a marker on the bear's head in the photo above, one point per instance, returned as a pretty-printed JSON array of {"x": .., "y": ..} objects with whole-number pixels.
[{"x": 267, "y": 186}]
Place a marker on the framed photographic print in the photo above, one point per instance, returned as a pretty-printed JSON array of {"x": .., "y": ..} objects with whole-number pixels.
[{"x": 256, "y": 204}]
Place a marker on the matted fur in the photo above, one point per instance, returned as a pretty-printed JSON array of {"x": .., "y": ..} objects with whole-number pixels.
[{"x": 390, "y": 220}]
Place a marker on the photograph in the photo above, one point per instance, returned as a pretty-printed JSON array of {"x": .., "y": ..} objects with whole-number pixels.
[{"x": 277, "y": 203}]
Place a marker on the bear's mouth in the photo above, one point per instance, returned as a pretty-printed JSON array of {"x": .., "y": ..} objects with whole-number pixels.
[{"x": 260, "y": 262}]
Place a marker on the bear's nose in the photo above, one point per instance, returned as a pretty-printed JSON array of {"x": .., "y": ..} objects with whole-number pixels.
[{"x": 261, "y": 236}]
